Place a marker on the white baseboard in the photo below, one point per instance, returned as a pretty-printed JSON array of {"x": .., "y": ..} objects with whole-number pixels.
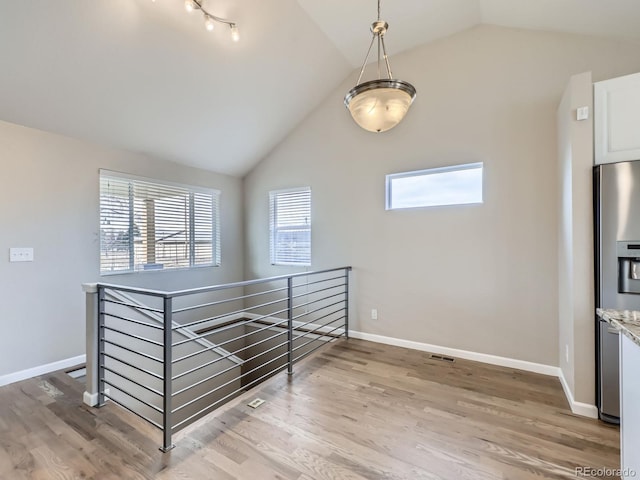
[
  {"x": 41, "y": 370},
  {"x": 579, "y": 408},
  {"x": 454, "y": 352}
]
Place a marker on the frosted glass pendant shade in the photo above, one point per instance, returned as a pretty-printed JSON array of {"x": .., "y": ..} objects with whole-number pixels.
[{"x": 379, "y": 105}]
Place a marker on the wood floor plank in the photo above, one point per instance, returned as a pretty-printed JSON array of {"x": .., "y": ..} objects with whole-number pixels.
[{"x": 355, "y": 410}]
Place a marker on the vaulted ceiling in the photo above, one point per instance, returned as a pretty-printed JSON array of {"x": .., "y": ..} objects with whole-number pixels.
[
  {"x": 146, "y": 76},
  {"x": 415, "y": 22}
]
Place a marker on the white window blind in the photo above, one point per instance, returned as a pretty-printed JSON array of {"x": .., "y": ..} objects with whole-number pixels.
[
  {"x": 148, "y": 225},
  {"x": 290, "y": 226},
  {"x": 455, "y": 185}
]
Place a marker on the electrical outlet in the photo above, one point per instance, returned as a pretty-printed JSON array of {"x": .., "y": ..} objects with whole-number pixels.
[
  {"x": 566, "y": 353},
  {"x": 374, "y": 314}
]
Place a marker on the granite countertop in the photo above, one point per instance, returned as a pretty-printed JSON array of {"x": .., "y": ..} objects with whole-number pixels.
[{"x": 628, "y": 322}]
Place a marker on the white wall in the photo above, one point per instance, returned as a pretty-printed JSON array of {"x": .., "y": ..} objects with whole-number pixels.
[
  {"x": 576, "y": 306},
  {"x": 482, "y": 278},
  {"x": 49, "y": 201}
]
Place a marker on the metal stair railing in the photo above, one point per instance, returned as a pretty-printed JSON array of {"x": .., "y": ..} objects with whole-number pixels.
[{"x": 173, "y": 357}]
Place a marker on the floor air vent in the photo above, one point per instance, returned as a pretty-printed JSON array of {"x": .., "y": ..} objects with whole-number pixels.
[{"x": 442, "y": 358}]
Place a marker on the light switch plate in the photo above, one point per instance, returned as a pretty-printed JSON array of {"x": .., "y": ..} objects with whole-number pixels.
[
  {"x": 21, "y": 254},
  {"x": 582, "y": 113}
]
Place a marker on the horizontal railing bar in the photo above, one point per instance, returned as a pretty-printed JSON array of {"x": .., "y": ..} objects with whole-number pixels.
[
  {"x": 228, "y": 369},
  {"x": 318, "y": 309},
  {"x": 244, "y": 387},
  {"x": 121, "y": 288},
  {"x": 143, "y": 370},
  {"x": 301, "y": 356},
  {"x": 208, "y": 332},
  {"x": 136, "y": 306},
  {"x": 305, "y": 294},
  {"x": 217, "y": 317},
  {"x": 259, "y": 321},
  {"x": 137, "y": 337},
  {"x": 323, "y": 334},
  {"x": 153, "y": 407},
  {"x": 306, "y": 304},
  {"x": 227, "y": 383},
  {"x": 218, "y": 302},
  {"x": 208, "y": 349},
  {"x": 316, "y": 319},
  {"x": 213, "y": 288},
  {"x": 319, "y": 299},
  {"x": 157, "y": 425},
  {"x": 269, "y": 326},
  {"x": 300, "y": 285},
  {"x": 127, "y": 319},
  {"x": 231, "y": 354},
  {"x": 246, "y": 283},
  {"x": 145, "y": 355},
  {"x": 115, "y": 372}
]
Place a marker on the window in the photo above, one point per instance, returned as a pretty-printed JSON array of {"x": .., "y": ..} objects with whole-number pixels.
[
  {"x": 148, "y": 225},
  {"x": 290, "y": 226},
  {"x": 457, "y": 185}
]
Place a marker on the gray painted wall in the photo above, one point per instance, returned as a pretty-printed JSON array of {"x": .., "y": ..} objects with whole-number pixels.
[
  {"x": 49, "y": 201},
  {"x": 482, "y": 278},
  {"x": 576, "y": 307}
]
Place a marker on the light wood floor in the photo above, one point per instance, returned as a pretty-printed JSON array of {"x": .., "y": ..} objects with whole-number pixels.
[{"x": 356, "y": 410}]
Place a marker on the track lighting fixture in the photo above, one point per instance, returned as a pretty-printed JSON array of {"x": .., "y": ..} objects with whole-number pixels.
[{"x": 210, "y": 19}]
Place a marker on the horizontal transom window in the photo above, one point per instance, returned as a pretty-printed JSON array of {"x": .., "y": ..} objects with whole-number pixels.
[
  {"x": 151, "y": 225},
  {"x": 455, "y": 185}
]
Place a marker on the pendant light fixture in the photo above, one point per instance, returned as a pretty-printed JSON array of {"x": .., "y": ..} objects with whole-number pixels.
[{"x": 379, "y": 105}]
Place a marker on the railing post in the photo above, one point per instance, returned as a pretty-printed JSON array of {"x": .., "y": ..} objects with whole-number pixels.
[
  {"x": 167, "y": 425},
  {"x": 290, "y": 326},
  {"x": 92, "y": 333},
  {"x": 100, "y": 352},
  {"x": 346, "y": 302}
]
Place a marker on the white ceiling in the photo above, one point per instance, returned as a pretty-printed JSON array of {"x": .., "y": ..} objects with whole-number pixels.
[
  {"x": 415, "y": 22},
  {"x": 146, "y": 76}
]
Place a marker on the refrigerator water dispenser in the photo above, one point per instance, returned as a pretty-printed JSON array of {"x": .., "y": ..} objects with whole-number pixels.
[{"x": 628, "y": 267}]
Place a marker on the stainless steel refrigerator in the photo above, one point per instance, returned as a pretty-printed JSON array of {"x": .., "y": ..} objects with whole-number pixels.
[{"x": 617, "y": 232}]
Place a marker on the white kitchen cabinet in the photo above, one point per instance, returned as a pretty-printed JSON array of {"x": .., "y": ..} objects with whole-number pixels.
[
  {"x": 629, "y": 407},
  {"x": 617, "y": 119}
]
